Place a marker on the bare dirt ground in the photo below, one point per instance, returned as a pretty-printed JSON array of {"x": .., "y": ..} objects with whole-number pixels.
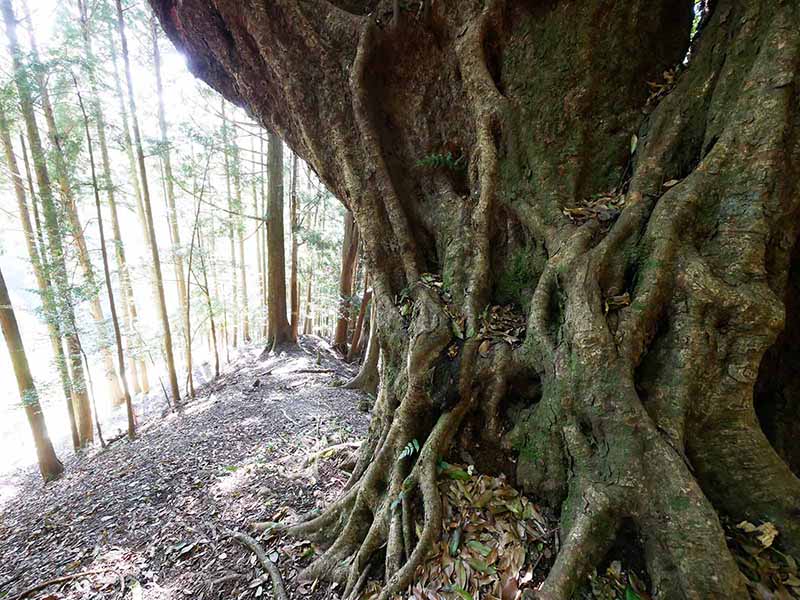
[{"x": 150, "y": 513}]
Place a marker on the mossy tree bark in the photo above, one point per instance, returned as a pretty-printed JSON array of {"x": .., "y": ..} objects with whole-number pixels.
[{"x": 469, "y": 139}]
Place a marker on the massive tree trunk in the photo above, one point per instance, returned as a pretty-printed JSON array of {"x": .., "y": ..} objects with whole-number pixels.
[{"x": 509, "y": 168}]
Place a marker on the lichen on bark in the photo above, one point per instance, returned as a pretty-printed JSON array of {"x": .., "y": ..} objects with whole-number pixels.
[{"x": 465, "y": 137}]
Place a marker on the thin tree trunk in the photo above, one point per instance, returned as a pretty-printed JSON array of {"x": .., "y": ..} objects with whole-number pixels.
[
  {"x": 365, "y": 298},
  {"x": 128, "y": 304},
  {"x": 107, "y": 274},
  {"x": 137, "y": 194},
  {"x": 38, "y": 261},
  {"x": 294, "y": 285},
  {"x": 231, "y": 225},
  {"x": 209, "y": 305},
  {"x": 172, "y": 216},
  {"x": 237, "y": 186},
  {"x": 349, "y": 255},
  {"x": 261, "y": 308},
  {"x": 264, "y": 244},
  {"x": 49, "y": 465},
  {"x": 55, "y": 246},
  {"x": 162, "y": 304},
  {"x": 280, "y": 331},
  {"x": 71, "y": 210}
]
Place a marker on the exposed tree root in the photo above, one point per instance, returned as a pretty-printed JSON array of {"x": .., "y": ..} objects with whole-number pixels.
[{"x": 278, "y": 589}]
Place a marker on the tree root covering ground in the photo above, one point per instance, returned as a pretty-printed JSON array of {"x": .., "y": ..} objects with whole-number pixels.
[{"x": 270, "y": 441}]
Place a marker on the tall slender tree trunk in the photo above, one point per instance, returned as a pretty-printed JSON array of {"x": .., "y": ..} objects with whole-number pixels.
[
  {"x": 172, "y": 215},
  {"x": 128, "y": 304},
  {"x": 264, "y": 243},
  {"x": 71, "y": 210},
  {"x": 56, "y": 258},
  {"x": 261, "y": 308},
  {"x": 49, "y": 465},
  {"x": 151, "y": 233},
  {"x": 280, "y": 332},
  {"x": 232, "y": 223},
  {"x": 107, "y": 273},
  {"x": 349, "y": 256},
  {"x": 294, "y": 284},
  {"x": 137, "y": 194},
  {"x": 308, "y": 322},
  {"x": 237, "y": 186},
  {"x": 209, "y": 305},
  {"x": 359, "y": 326},
  {"x": 40, "y": 270}
]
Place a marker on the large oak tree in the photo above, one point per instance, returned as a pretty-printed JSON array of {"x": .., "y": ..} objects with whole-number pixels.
[{"x": 645, "y": 234}]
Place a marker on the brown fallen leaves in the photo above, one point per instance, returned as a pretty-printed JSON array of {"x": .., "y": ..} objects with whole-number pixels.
[
  {"x": 771, "y": 574},
  {"x": 601, "y": 207},
  {"x": 493, "y": 539}
]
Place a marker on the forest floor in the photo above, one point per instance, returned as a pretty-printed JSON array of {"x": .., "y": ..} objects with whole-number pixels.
[{"x": 150, "y": 513}]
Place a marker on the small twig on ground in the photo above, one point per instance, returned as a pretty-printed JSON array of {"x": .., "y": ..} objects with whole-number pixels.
[
  {"x": 288, "y": 418},
  {"x": 226, "y": 579},
  {"x": 330, "y": 450},
  {"x": 55, "y": 580},
  {"x": 278, "y": 588},
  {"x": 315, "y": 371}
]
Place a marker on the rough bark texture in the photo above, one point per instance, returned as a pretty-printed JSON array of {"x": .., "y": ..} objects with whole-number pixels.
[
  {"x": 49, "y": 465},
  {"x": 469, "y": 139},
  {"x": 280, "y": 331}
]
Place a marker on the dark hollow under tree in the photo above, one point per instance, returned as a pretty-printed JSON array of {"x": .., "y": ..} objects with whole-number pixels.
[{"x": 470, "y": 139}]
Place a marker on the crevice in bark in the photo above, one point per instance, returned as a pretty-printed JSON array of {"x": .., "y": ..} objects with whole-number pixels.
[{"x": 777, "y": 390}]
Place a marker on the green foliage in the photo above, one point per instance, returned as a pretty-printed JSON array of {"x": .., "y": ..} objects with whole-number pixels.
[
  {"x": 443, "y": 161},
  {"x": 410, "y": 448}
]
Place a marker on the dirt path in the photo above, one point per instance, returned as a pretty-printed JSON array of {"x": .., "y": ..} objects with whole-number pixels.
[{"x": 152, "y": 510}]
